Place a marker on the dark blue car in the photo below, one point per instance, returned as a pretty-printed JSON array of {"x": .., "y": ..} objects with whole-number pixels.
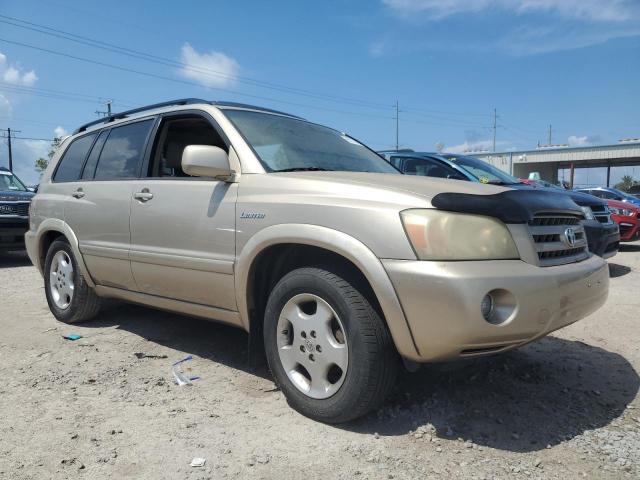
[
  {"x": 14, "y": 211},
  {"x": 603, "y": 234}
]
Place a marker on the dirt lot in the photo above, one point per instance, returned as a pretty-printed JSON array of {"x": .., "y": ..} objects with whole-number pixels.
[{"x": 564, "y": 407}]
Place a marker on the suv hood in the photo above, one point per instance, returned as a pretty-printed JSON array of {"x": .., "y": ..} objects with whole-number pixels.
[
  {"x": 12, "y": 196},
  {"x": 425, "y": 187}
]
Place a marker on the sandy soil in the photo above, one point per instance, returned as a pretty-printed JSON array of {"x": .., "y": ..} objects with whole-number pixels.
[{"x": 564, "y": 407}]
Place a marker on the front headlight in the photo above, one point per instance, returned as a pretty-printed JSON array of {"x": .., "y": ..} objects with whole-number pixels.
[
  {"x": 620, "y": 211},
  {"x": 441, "y": 235},
  {"x": 588, "y": 213}
]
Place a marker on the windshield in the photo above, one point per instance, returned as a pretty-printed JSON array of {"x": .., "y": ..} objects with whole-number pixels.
[
  {"x": 289, "y": 144},
  {"x": 9, "y": 181},
  {"x": 484, "y": 172}
]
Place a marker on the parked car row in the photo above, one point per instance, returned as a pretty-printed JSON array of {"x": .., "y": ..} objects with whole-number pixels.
[{"x": 602, "y": 232}]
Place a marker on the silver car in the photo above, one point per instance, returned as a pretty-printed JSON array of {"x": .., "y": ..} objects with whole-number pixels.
[{"x": 340, "y": 267}]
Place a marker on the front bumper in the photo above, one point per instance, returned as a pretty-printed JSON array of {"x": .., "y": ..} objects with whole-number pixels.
[
  {"x": 441, "y": 302},
  {"x": 603, "y": 238},
  {"x": 12, "y": 230},
  {"x": 629, "y": 228}
]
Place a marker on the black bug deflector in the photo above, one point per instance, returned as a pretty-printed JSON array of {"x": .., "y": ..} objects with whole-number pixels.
[{"x": 512, "y": 206}]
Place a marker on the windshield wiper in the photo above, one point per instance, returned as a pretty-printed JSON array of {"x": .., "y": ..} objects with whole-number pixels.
[
  {"x": 499, "y": 182},
  {"x": 304, "y": 169}
]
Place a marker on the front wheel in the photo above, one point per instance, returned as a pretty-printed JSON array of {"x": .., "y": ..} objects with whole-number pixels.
[
  {"x": 69, "y": 297},
  {"x": 328, "y": 349}
]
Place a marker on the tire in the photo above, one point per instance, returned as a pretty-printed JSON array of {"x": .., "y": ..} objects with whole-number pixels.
[
  {"x": 291, "y": 345},
  {"x": 76, "y": 301}
]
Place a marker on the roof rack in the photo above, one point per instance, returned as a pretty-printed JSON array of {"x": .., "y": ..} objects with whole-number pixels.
[
  {"x": 118, "y": 116},
  {"x": 181, "y": 101}
]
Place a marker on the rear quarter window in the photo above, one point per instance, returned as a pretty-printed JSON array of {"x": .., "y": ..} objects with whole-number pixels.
[
  {"x": 73, "y": 158},
  {"x": 123, "y": 151}
]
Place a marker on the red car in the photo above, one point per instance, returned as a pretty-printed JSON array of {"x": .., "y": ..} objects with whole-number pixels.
[{"x": 627, "y": 216}]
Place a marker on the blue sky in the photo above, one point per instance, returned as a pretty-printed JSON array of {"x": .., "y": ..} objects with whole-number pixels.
[{"x": 449, "y": 63}]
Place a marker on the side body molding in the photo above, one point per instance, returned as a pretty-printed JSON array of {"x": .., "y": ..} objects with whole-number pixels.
[
  {"x": 342, "y": 244},
  {"x": 56, "y": 225}
]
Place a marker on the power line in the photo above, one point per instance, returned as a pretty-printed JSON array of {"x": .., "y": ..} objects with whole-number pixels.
[
  {"x": 174, "y": 63},
  {"x": 210, "y": 72},
  {"x": 55, "y": 94},
  {"x": 175, "y": 80}
]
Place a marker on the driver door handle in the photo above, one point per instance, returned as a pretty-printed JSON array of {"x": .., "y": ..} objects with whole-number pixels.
[{"x": 144, "y": 196}]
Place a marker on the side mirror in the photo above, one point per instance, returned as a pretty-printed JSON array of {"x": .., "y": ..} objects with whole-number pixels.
[{"x": 206, "y": 161}]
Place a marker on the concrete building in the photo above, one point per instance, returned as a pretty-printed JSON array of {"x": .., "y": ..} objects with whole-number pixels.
[{"x": 603, "y": 165}]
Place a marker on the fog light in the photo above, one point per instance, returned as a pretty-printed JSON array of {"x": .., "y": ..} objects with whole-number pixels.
[
  {"x": 498, "y": 306},
  {"x": 486, "y": 306}
]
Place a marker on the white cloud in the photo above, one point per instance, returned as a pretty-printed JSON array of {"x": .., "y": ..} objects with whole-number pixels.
[
  {"x": 599, "y": 10},
  {"x": 212, "y": 69},
  {"x": 25, "y": 154},
  {"x": 470, "y": 146},
  {"x": 378, "y": 49},
  {"x": 575, "y": 141},
  {"x": 60, "y": 132},
  {"x": 5, "y": 106},
  {"x": 14, "y": 74}
]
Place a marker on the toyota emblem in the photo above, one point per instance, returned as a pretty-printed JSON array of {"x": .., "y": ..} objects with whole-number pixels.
[{"x": 569, "y": 237}]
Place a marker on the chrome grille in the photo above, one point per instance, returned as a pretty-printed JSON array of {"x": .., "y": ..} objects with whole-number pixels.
[
  {"x": 20, "y": 209},
  {"x": 549, "y": 233}
]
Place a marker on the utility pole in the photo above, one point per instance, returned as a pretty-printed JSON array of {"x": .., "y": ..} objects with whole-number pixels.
[
  {"x": 495, "y": 127},
  {"x": 108, "y": 112},
  {"x": 549, "y": 134},
  {"x": 397, "y": 126},
  {"x": 8, "y": 137}
]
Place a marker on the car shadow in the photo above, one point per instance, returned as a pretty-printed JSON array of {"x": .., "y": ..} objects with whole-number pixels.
[
  {"x": 14, "y": 259},
  {"x": 542, "y": 394},
  {"x": 616, "y": 270},
  {"x": 203, "y": 338}
]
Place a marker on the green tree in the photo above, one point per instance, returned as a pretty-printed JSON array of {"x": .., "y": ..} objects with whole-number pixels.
[
  {"x": 626, "y": 183},
  {"x": 42, "y": 163}
]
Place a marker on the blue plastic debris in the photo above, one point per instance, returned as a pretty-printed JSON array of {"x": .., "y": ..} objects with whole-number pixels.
[
  {"x": 72, "y": 336},
  {"x": 180, "y": 377}
]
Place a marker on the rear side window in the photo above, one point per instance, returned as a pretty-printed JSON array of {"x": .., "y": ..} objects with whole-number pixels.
[
  {"x": 69, "y": 168},
  {"x": 123, "y": 151},
  {"x": 92, "y": 161}
]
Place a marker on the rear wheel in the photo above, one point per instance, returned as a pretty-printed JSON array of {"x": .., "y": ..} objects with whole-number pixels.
[
  {"x": 327, "y": 347},
  {"x": 70, "y": 298}
]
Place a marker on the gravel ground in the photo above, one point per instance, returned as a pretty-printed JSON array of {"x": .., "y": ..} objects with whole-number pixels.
[{"x": 564, "y": 407}]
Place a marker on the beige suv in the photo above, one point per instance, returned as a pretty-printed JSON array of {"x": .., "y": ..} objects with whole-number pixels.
[{"x": 338, "y": 265}]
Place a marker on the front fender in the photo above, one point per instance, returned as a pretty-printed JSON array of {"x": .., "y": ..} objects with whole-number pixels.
[
  {"x": 341, "y": 244},
  {"x": 34, "y": 244}
]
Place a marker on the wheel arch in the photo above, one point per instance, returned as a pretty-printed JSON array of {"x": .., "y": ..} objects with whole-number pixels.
[
  {"x": 50, "y": 230},
  {"x": 332, "y": 244}
]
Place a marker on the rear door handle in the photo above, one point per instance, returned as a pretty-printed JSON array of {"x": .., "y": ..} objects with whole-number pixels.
[
  {"x": 144, "y": 196},
  {"x": 78, "y": 193}
]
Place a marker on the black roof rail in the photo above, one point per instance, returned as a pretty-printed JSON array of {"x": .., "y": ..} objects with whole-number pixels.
[
  {"x": 118, "y": 116},
  {"x": 170, "y": 103}
]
